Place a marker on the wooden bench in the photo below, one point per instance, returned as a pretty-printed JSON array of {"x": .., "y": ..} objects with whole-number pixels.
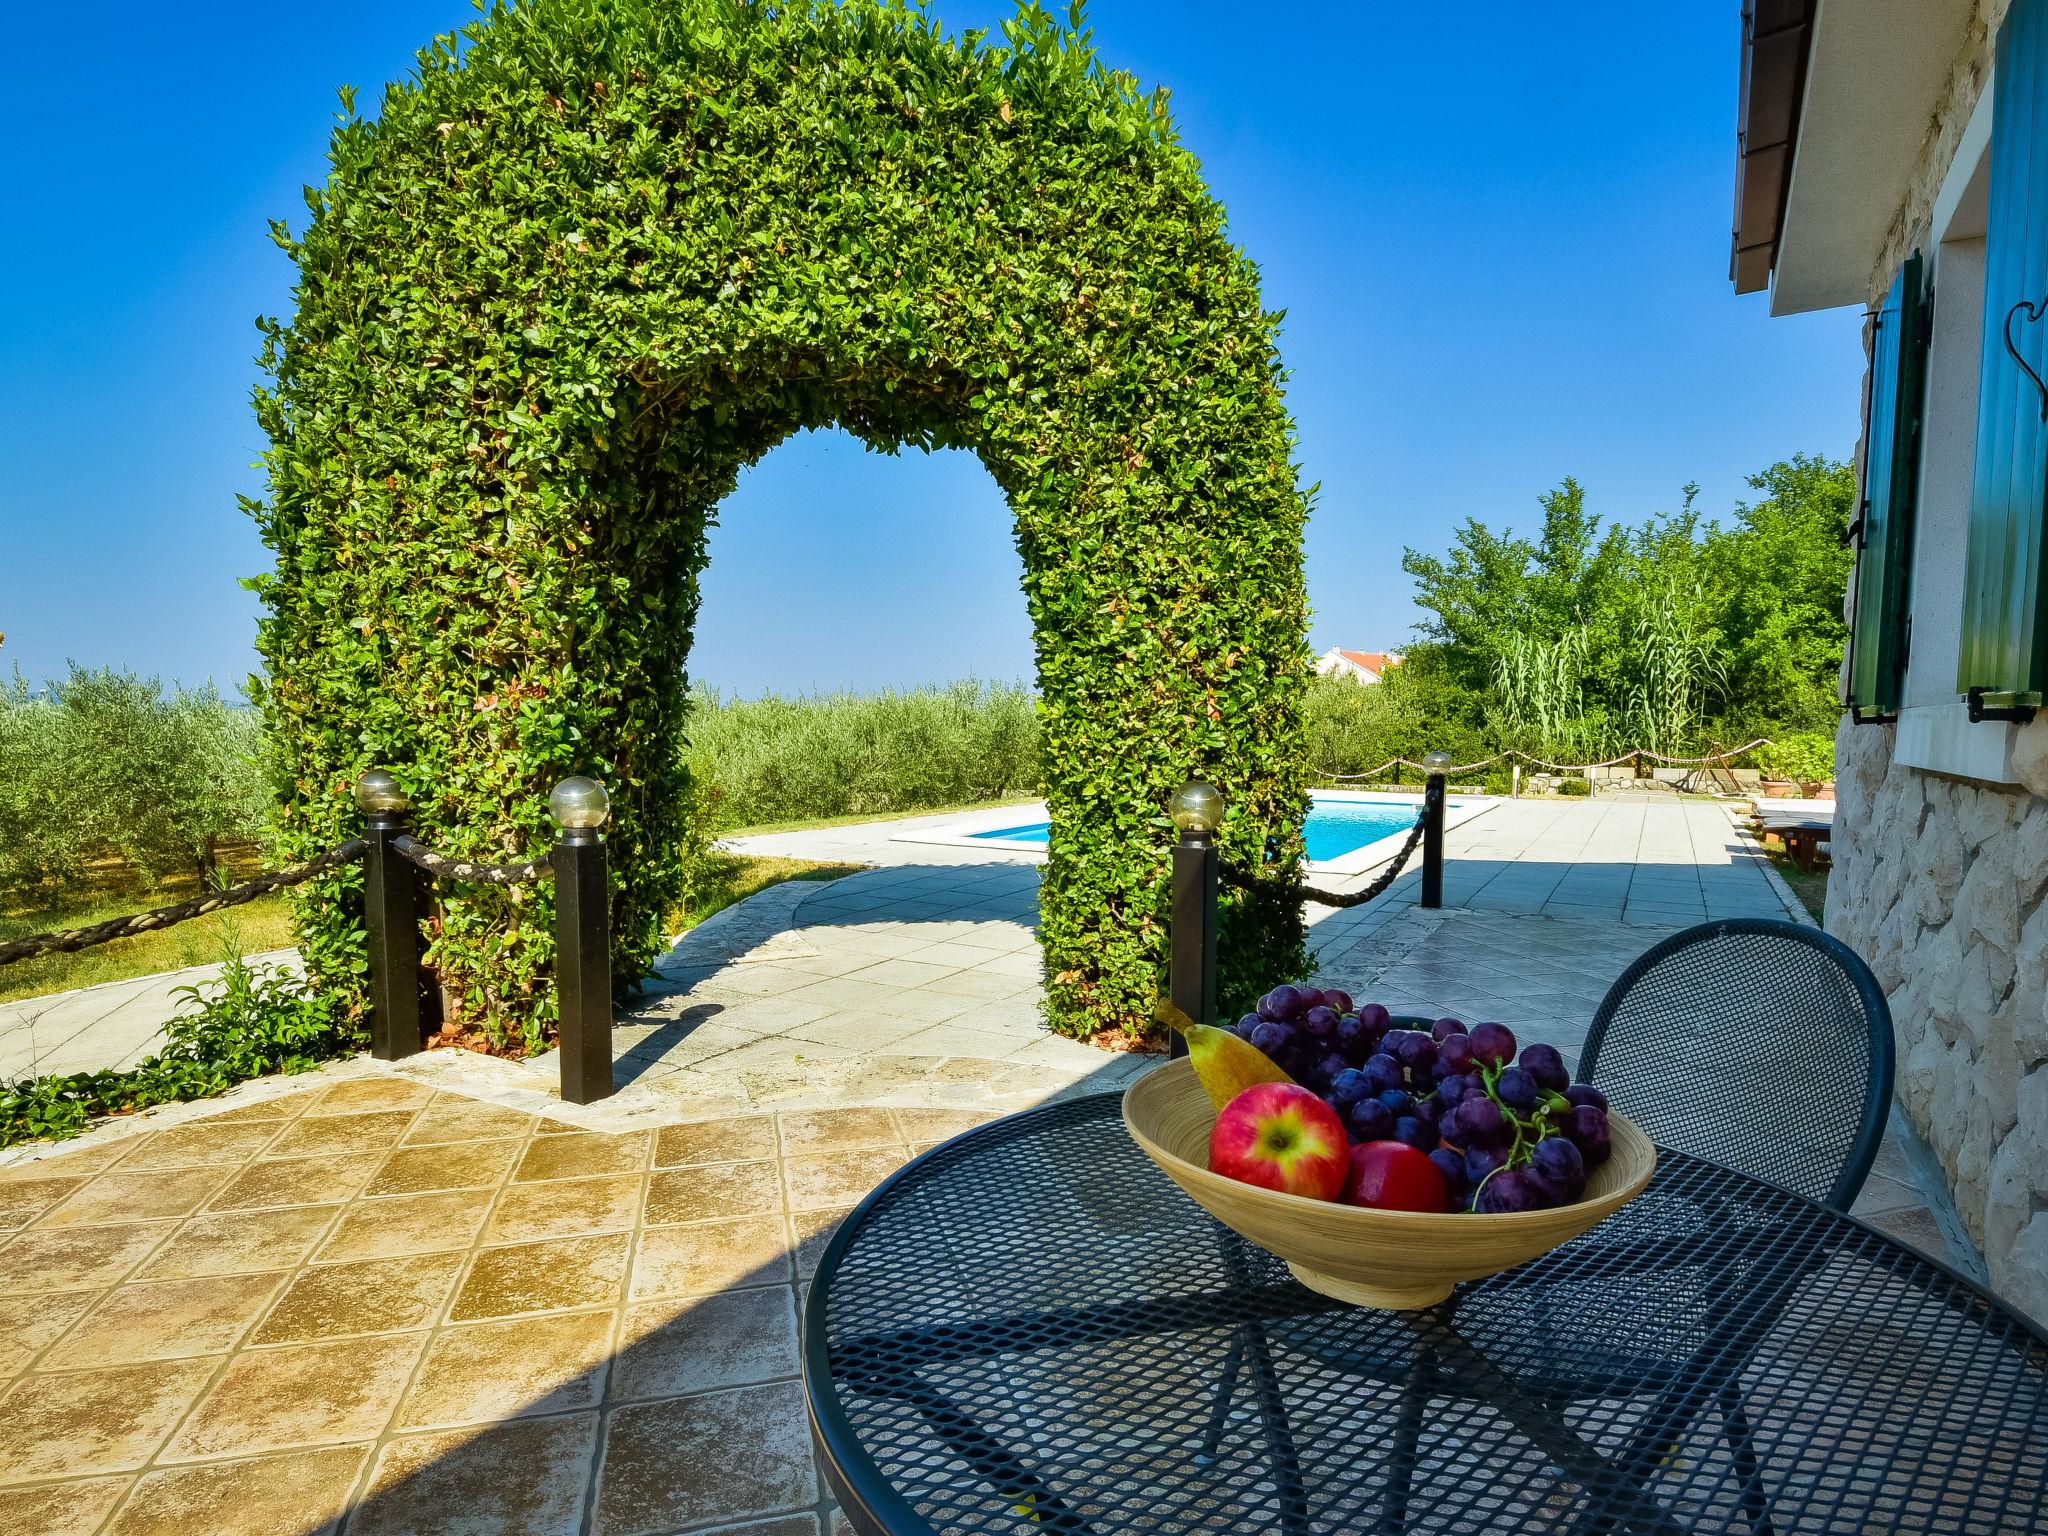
[{"x": 1804, "y": 837}]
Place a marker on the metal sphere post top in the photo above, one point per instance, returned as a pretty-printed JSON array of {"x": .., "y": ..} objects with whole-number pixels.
[
  {"x": 1436, "y": 762},
  {"x": 1196, "y": 808},
  {"x": 377, "y": 793},
  {"x": 579, "y": 804}
]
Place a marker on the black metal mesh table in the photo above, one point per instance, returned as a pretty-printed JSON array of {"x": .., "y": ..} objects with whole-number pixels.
[{"x": 1031, "y": 1330}]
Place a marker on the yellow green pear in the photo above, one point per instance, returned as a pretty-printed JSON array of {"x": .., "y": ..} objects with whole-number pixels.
[{"x": 1224, "y": 1064}]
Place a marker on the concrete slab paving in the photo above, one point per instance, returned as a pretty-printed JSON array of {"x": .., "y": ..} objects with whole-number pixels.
[{"x": 112, "y": 1025}]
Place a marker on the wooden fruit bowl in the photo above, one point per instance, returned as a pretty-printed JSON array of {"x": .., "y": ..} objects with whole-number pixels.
[{"x": 1370, "y": 1258}]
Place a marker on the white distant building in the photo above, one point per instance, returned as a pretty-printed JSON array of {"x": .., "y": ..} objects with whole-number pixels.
[{"x": 1364, "y": 666}]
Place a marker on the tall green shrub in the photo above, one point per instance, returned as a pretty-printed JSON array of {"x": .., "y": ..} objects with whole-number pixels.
[
  {"x": 1419, "y": 706},
  {"x": 595, "y": 258}
]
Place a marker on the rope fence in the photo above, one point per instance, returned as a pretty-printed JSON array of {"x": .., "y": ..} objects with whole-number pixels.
[
  {"x": 1293, "y": 890},
  {"x": 1630, "y": 756},
  {"x": 70, "y": 940},
  {"x": 443, "y": 867}
]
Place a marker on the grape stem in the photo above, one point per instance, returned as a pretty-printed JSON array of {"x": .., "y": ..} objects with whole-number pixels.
[
  {"x": 1488, "y": 1075},
  {"x": 1483, "y": 1183}
]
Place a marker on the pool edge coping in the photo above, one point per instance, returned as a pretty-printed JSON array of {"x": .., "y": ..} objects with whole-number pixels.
[{"x": 961, "y": 833}]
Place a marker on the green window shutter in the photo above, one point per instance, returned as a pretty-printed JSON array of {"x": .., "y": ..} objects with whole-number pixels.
[
  {"x": 1891, "y": 471},
  {"x": 2003, "y": 637}
]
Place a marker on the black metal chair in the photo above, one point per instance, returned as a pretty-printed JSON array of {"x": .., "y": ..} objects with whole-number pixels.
[{"x": 1762, "y": 1045}]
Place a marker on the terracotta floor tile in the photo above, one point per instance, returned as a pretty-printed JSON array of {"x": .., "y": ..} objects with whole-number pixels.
[
  {"x": 61, "y": 1509},
  {"x": 75, "y": 1258},
  {"x": 462, "y": 1165},
  {"x": 202, "y": 1145},
  {"x": 239, "y": 1242},
  {"x": 839, "y": 1178},
  {"x": 301, "y": 1493},
  {"x": 712, "y": 1193},
  {"x": 930, "y": 1125},
  {"x": 401, "y": 1225},
  {"x": 295, "y": 1181},
  {"x": 29, "y": 1324},
  {"x": 564, "y": 1208},
  {"x": 716, "y": 1141},
  {"x": 581, "y": 1156},
  {"x": 711, "y": 1256},
  {"x": 119, "y": 1195},
  {"x": 526, "y": 1478},
  {"x": 451, "y": 1118},
  {"x": 835, "y": 1130},
  {"x": 73, "y": 1165},
  {"x": 810, "y": 1231},
  {"x": 542, "y": 1277},
  {"x": 750, "y": 1456},
  {"x": 728, "y": 1340},
  {"x": 333, "y": 1301},
  {"x": 484, "y": 1372},
  {"x": 79, "y": 1422},
  {"x": 312, "y": 1394},
  {"x": 164, "y": 1320},
  {"x": 285, "y": 1106},
  {"x": 338, "y": 1135},
  {"x": 23, "y": 1200},
  {"x": 371, "y": 1094}
]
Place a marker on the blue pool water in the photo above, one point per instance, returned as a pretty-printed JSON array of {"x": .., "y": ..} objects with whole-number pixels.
[{"x": 1333, "y": 829}]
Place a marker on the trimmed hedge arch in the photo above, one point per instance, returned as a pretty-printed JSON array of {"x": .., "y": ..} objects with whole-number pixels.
[{"x": 599, "y": 256}]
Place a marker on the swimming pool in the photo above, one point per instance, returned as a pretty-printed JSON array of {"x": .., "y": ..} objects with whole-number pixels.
[
  {"x": 1333, "y": 827},
  {"x": 1346, "y": 831}
]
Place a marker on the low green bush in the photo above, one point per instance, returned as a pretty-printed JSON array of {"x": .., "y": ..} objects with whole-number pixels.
[
  {"x": 773, "y": 759},
  {"x": 1805, "y": 757},
  {"x": 251, "y": 1021},
  {"x": 1579, "y": 787}
]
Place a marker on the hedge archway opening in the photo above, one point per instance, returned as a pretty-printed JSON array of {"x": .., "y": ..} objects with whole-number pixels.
[{"x": 596, "y": 258}]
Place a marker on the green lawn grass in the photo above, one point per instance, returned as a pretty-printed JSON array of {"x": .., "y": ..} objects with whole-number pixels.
[
  {"x": 1810, "y": 887},
  {"x": 262, "y": 924}
]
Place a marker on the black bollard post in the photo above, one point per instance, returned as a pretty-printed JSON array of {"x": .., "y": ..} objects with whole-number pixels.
[
  {"x": 391, "y": 920},
  {"x": 1436, "y": 764},
  {"x": 1197, "y": 810},
  {"x": 583, "y": 940}
]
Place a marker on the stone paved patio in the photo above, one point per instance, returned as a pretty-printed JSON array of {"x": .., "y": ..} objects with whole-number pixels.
[
  {"x": 430, "y": 1297},
  {"x": 426, "y": 1311}
]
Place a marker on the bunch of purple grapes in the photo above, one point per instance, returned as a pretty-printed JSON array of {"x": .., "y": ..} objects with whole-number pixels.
[{"x": 1508, "y": 1133}]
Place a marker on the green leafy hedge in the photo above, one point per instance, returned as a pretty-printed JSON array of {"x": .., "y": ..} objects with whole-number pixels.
[
  {"x": 250, "y": 1021},
  {"x": 600, "y": 255}
]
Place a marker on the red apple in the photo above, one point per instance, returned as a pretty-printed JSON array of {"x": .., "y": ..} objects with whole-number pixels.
[
  {"x": 1393, "y": 1176},
  {"x": 1281, "y": 1136}
]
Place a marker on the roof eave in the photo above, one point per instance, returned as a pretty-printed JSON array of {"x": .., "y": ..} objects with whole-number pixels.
[{"x": 1776, "y": 37}]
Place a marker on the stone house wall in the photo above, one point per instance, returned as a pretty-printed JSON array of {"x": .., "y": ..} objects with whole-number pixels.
[{"x": 1939, "y": 883}]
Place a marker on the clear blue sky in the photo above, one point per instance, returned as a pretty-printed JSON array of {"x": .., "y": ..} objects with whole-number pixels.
[{"x": 1500, "y": 234}]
